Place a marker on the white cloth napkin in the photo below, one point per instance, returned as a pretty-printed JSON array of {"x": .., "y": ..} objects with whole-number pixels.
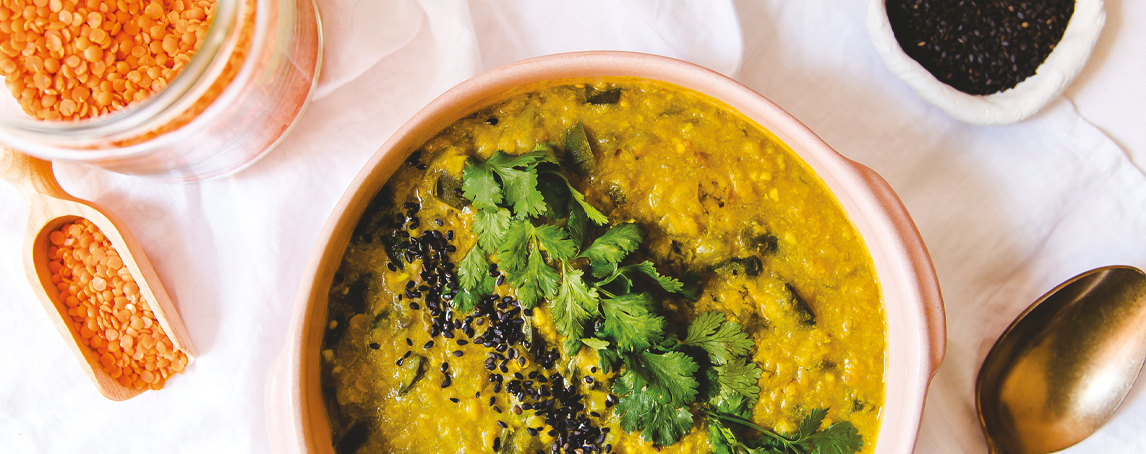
[{"x": 1007, "y": 212}]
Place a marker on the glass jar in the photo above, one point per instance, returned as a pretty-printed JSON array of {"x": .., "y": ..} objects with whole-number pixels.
[{"x": 235, "y": 99}]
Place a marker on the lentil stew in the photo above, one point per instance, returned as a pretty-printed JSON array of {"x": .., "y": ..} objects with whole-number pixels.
[{"x": 413, "y": 361}]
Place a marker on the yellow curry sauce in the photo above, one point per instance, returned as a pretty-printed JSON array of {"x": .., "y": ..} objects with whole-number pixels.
[{"x": 715, "y": 193}]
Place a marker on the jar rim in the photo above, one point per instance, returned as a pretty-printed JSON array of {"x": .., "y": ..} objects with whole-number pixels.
[{"x": 89, "y": 138}]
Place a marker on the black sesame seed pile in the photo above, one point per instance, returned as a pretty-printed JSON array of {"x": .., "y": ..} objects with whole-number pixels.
[
  {"x": 979, "y": 47},
  {"x": 542, "y": 390}
]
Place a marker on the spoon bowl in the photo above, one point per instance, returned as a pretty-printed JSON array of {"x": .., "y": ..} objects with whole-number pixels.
[
  {"x": 1062, "y": 368},
  {"x": 49, "y": 208}
]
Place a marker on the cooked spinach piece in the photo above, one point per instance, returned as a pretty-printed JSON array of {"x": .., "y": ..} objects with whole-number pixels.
[
  {"x": 411, "y": 371},
  {"x": 798, "y": 304},
  {"x": 579, "y": 153},
  {"x": 736, "y": 266},
  {"x": 353, "y": 439},
  {"x": 603, "y": 97},
  {"x": 447, "y": 189}
]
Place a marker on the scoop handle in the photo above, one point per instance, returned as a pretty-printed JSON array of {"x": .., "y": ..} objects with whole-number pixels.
[{"x": 30, "y": 175}]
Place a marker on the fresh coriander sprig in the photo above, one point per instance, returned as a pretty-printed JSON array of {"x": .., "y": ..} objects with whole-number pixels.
[{"x": 839, "y": 438}]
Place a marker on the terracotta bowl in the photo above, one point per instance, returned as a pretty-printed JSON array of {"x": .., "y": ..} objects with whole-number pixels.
[{"x": 296, "y": 417}]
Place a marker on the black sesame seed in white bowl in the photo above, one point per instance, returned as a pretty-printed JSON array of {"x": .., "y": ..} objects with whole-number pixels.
[{"x": 986, "y": 62}]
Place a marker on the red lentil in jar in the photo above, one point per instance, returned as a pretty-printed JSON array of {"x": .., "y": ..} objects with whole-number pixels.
[
  {"x": 180, "y": 90},
  {"x": 72, "y": 60}
]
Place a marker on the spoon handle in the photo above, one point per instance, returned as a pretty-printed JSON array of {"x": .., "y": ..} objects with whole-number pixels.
[{"x": 30, "y": 175}]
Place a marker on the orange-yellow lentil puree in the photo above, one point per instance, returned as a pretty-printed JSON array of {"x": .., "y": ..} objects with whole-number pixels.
[{"x": 715, "y": 193}]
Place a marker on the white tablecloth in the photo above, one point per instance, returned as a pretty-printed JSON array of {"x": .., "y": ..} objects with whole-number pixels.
[{"x": 1007, "y": 211}]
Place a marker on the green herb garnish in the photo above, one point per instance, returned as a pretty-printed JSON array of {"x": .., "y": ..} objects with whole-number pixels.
[
  {"x": 532, "y": 222},
  {"x": 839, "y": 438}
]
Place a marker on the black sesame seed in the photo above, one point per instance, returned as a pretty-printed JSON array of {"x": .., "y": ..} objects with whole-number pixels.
[
  {"x": 462, "y": 342},
  {"x": 454, "y": 400},
  {"x": 414, "y": 306},
  {"x": 428, "y": 344},
  {"x": 392, "y": 266},
  {"x": 447, "y": 382},
  {"x": 492, "y": 121},
  {"x": 445, "y": 366},
  {"x": 458, "y": 353},
  {"x": 407, "y": 355},
  {"x": 500, "y": 280},
  {"x": 399, "y": 362},
  {"x": 502, "y": 424},
  {"x": 375, "y": 345}
]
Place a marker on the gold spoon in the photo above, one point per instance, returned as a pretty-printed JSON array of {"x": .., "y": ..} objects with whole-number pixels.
[
  {"x": 49, "y": 207},
  {"x": 1064, "y": 366}
]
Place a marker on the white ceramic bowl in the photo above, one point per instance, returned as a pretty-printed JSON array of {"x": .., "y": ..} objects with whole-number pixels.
[
  {"x": 296, "y": 416},
  {"x": 1009, "y": 106}
]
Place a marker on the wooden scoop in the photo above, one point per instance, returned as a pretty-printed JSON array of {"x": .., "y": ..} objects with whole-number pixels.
[{"x": 49, "y": 208}]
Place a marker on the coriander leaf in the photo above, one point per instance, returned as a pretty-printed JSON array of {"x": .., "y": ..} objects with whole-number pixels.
[
  {"x": 556, "y": 198},
  {"x": 647, "y": 268},
  {"x": 595, "y": 344},
  {"x": 490, "y": 226},
  {"x": 614, "y": 244},
  {"x": 602, "y": 269},
  {"x": 659, "y": 422},
  {"x": 608, "y": 360},
  {"x": 731, "y": 403},
  {"x": 503, "y": 160},
  {"x": 479, "y": 185},
  {"x": 629, "y": 322},
  {"x": 577, "y": 225},
  {"x": 812, "y": 422},
  {"x": 520, "y": 189},
  {"x": 667, "y": 377},
  {"x": 740, "y": 377},
  {"x": 722, "y": 339},
  {"x": 666, "y": 282},
  {"x": 472, "y": 268},
  {"x": 575, "y": 304},
  {"x": 572, "y": 346},
  {"x": 474, "y": 279},
  {"x": 538, "y": 280},
  {"x": 514, "y": 251},
  {"x": 464, "y": 301},
  {"x": 598, "y": 217},
  {"x": 556, "y": 242},
  {"x": 839, "y": 438},
  {"x": 720, "y": 438}
]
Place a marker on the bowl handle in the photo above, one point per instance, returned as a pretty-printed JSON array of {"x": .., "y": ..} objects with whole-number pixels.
[{"x": 927, "y": 284}]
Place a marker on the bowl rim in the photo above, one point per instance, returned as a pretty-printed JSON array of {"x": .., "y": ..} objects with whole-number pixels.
[
  {"x": 297, "y": 423},
  {"x": 1060, "y": 68}
]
